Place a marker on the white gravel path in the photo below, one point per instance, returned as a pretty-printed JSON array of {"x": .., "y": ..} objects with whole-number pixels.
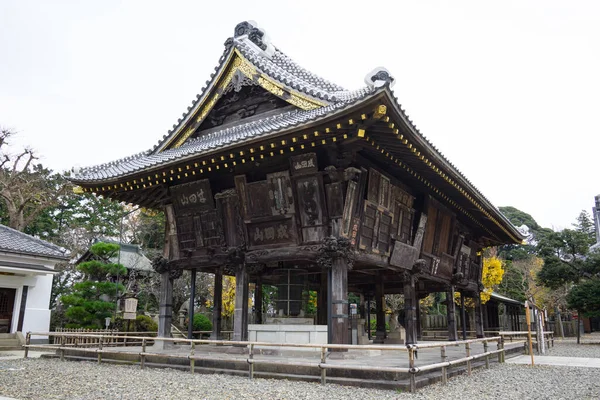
[{"x": 53, "y": 379}]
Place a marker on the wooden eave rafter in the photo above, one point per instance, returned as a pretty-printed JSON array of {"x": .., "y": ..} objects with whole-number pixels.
[
  {"x": 341, "y": 128},
  {"x": 395, "y": 139}
]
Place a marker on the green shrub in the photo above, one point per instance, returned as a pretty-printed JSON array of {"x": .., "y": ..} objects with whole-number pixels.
[
  {"x": 202, "y": 323},
  {"x": 373, "y": 325},
  {"x": 142, "y": 323}
]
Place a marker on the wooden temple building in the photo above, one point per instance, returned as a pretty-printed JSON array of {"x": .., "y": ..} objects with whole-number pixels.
[{"x": 277, "y": 176}]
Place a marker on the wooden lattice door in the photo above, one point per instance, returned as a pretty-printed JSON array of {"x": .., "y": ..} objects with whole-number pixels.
[{"x": 7, "y": 303}]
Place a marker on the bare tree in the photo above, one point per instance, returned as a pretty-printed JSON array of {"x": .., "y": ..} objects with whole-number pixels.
[{"x": 26, "y": 187}]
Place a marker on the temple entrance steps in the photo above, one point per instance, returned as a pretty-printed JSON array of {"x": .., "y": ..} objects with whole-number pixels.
[{"x": 9, "y": 341}]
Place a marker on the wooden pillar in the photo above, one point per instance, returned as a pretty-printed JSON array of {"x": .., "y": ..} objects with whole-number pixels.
[
  {"x": 339, "y": 301},
  {"x": 451, "y": 313},
  {"x": 191, "y": 307},
  {"x": 258, "y": 297},
  {"x": 478, "y": 316},
  {"x": 418, "y": 315},
  {"x": 380, "y": 333},
  {"x": 410, "y": 308},
  {"x": 322, "y": 311},
  {"x": 217, "y": 305},
  {"x": 463, "y": 316},
  {"x": 240, "y": 314},
  {"x": 166, "y": 305}
]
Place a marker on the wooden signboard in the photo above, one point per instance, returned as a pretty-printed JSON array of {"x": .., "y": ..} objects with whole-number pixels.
[
  {"x": 375, "y": 235},
  {"x": 311, "y": 208},
  {"x": 304, "y": 164},
  {"x": 192, "y": 197},
  {"x": 269, "y": 233},
  {"x": 258, "y": 199},
  {"x": 281, "y": 197}
]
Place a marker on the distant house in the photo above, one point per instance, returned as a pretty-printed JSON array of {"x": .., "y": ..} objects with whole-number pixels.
[
  {"x": 130, "y": 256},
  {"x": 26, "y": 272}
]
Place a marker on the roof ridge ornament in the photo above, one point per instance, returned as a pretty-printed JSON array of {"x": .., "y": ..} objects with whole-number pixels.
[
  {"x": 255, "y": 36},
  {"x": 379, "y": 77}
]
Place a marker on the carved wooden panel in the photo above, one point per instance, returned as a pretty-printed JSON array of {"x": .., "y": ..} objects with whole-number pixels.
[
  {"x": 233, "y": 226},
  {"x": 367, "y": 232},
  {"x": 258, "y": 199},
  {"x": 375, "y": 235},
  {"x": 269, "y": 233},
  {"x": 404, "y": 255},
  {"x": 379, "y": 189},
  {"x": 430, "y": 230},
  {"x": 373, "y": 186},
  {"x": 311, "y": 208},
  {"x": 304, "y": 164},
  {"x": 281, "y": 198},
  {"x": 186, "y": 233},
  {"x": 241, "y": 188},
  {"x": 192, "y": 197},
  {"x": 212, "y": 229}
]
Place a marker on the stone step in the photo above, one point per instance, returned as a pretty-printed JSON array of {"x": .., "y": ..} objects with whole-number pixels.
[{"x": 8, "y": 336}]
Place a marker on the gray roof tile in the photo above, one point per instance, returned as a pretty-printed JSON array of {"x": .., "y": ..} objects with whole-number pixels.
[{"x": 13, "y": 241}]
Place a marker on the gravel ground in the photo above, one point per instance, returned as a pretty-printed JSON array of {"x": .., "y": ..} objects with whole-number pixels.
[
  {"x": 53, "y": 379},
  {"x": 570, "y": 348}
]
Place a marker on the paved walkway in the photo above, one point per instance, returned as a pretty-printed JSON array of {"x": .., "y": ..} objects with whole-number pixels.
[{"x": 557, "y": 361}]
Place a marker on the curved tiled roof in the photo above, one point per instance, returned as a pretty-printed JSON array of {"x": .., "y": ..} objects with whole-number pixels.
[
  {"x": 13, "y": 241},
  {"x": 211, "y": 141}
]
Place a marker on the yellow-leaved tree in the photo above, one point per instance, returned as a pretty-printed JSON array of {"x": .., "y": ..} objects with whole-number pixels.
[{"x": 491, "y": 277}]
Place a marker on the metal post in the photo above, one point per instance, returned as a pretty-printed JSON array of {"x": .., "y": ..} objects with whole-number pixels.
[
  {"x": 27, "y": 343},
  {"x": 191, "y": 307},
  {"x": 143, "y": 354},
  {"x": 251, "y": 357},
  {"x": 192, "y": 359},
  {"x": 468, "y": 349},
  {"x": 323, "y": 370}
]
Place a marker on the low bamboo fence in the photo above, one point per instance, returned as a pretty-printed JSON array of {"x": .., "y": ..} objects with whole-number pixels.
[{"x": 98, "y": 341}]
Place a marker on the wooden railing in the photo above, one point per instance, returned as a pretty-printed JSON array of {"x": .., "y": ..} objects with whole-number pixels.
[
  {"x": 520, "y": 335},
  {"x": 411, "y": 350}
]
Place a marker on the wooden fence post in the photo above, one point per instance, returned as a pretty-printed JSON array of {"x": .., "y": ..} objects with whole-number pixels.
[
  {"x": 468, "y": 350},
  {"x": 444, "y": 368},
  {"x": 323, "y": 370},
  {"x": 251, "y": 358},
  {"x": 192, "y": 360},
  {"x": 62, "y": 349},
  {"x": 143, "y": 354},
  {"x": 100, "y": 349},
  {"x": 411, "y": 365},
  {"x": 487, "y": 357}
]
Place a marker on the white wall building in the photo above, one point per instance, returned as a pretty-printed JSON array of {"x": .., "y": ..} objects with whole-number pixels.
[{"x": 26, "y": 272}]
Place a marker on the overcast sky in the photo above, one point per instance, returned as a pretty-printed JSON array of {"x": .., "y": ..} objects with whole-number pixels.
[{"x": 509, "y": 91}]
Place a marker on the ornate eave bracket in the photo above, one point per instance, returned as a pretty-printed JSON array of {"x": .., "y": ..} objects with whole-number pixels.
[
  {"x": 161, "y": 265},
  {"x": 334, "y": 248}
]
